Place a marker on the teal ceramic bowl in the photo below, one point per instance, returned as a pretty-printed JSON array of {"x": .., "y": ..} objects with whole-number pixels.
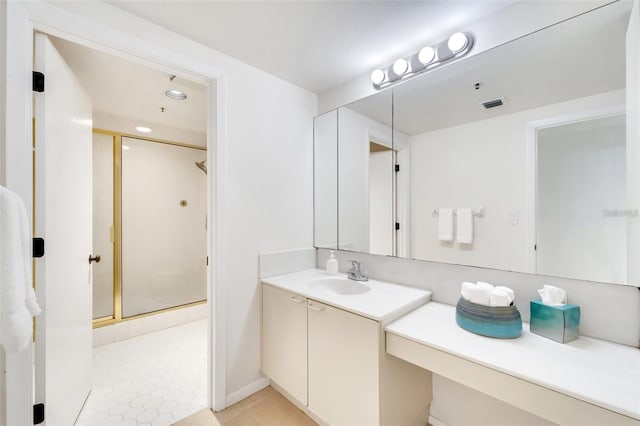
[{"x": 502, "y": 322}]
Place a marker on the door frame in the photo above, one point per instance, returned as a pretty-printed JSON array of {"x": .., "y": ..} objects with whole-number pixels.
[
  {"x": 532, "y": 166},
  {"x": 23, "y": 18}
]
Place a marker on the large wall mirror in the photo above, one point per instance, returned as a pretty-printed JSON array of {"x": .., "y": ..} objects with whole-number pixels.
[{"x": 516, "y": 159}]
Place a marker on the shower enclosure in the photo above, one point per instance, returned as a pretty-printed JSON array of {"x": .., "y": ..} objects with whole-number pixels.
[{"x": 149, "y": 226}]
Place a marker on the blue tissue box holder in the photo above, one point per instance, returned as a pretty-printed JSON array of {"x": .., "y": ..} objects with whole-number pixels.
[{"x": 559, "y": 323}]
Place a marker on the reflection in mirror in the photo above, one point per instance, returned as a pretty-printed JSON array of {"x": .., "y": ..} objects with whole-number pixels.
[
  {"x": 325, "y": 175},
  {"x": 533, "y": 131},
  {"x": 365, "y": 176},
  {"x": 581, "y": 174}
]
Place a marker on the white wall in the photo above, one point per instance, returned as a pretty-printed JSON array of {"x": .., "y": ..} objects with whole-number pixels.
[
  {"x": 261, "y": 171},
  {"x": 633, "y": 143},
  {"x": 481, "y": 163},
  {"x": 507, "y": 24},
  {"x": 164, "y": 245},
  {"x": 3, "y": 20},
  {"x": 582, "y": 173}
]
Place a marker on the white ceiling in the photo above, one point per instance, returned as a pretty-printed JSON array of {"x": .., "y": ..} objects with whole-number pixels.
[
  {"x": 580, "y": 57},
  {"x": 133, "y": 91},
  {"x": 316, "y": 45}
]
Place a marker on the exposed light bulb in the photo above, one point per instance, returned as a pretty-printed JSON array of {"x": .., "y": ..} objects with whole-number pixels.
[
  {"x": 457, "y": 42},
  {"x": 143, "y": 129},
  {"x": 426, "y": 55},
  {"x": 377, "y": 77},
  {"x": 400, "y": 66}
]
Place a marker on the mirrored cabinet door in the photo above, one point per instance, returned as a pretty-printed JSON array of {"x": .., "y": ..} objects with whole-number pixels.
[
  {"x": 325, "y": 180},
  {"x": 365, "y": 175}
]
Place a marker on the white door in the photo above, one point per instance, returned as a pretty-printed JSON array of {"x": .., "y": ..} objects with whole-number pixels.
[{"x": 64, "y": 218}]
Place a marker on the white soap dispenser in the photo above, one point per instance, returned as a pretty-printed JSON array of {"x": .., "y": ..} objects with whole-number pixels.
[{"x": 332, "y": 264}]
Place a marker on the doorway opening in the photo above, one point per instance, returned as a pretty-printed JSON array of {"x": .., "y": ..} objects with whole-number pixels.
[{"x": 149, "y": 229}]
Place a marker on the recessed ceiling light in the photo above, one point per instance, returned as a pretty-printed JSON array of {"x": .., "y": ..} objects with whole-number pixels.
[
  {"x": 143, "y": 129},
  {"x": 176, "y": 94}
]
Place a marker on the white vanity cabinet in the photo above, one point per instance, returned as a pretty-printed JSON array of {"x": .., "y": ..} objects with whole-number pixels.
[
  {"x": 284, "y": 340},
  {"x": 333, "y": 363},
  {"x": 343, "y": 366}
]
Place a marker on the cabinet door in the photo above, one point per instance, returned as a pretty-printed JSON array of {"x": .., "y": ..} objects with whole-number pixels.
[
  {"x": 343, "y": 366},
  {"x": 284, "y": 340}
]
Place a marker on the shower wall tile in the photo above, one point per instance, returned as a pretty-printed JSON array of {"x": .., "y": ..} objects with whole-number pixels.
[
  {"x": 149, "y": 324},
  {"x": 103, "y": 336},
  {"x": 609, "y": 311},
  {"x": 121, "y": 331},
  {"x": 284, "y": 262}
]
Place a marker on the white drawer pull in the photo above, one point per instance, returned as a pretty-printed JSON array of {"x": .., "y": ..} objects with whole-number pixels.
[
  {"x": 315, "y": 308},
  {"x": 295, "y": 299}
]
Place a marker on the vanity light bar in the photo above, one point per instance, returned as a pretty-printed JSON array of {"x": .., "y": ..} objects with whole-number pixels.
[{"x": 429, "y": 57}]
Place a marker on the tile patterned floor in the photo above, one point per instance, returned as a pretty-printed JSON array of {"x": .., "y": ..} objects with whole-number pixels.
[
  {"x": 154, "y": 380},
  {"x": 264, "y": 408}
]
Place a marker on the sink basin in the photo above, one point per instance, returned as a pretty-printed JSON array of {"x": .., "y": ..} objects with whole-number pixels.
[{"x": 339, "y": 285}]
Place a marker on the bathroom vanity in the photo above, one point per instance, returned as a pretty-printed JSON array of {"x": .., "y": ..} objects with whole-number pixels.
[
  {"x": 585, "y": 382},
  {"x": 323, "y": 345}
]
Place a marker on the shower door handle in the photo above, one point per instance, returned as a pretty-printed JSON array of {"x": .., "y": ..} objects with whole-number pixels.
[{"x": 94, "y": 259}]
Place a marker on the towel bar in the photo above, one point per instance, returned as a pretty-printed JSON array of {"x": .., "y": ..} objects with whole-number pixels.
[{"x": 478, "y": 211}]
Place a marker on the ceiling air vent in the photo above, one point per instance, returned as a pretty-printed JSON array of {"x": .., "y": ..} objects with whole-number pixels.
[{"x": 494, "y": 103}]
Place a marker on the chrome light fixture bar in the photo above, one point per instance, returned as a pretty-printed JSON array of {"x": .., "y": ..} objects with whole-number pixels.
[{"x": 429, "y": 57}]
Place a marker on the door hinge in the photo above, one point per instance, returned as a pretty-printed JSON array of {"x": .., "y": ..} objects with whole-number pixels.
[
  {"x": 397, "y": 226},
  {"x": 38, "y": 247},
  {"x": 38, "y": 414},
  {"x": 397, "y": 168},
  {"x": 38, "y": 82},
  {"x": 535, "y": 247}
]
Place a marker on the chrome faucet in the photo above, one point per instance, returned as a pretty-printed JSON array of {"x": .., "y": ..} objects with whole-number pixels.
[{"x": 355, "y": 273}]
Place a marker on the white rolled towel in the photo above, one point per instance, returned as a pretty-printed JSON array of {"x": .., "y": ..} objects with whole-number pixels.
[
  {"x": 485, "y": 285},
  {"x": 475, "y": 294},
  {"x": 510, "y": 292},
  {"x": 499, "y": 297}
]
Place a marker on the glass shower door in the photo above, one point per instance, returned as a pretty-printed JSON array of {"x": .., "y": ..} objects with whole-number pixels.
[{"x": 163, "y": 226}]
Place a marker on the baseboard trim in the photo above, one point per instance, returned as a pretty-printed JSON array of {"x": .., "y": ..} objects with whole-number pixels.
[
  {"x": 246, "y": 391},
  {"x": 298, "y": 404},
  {"x": 433, "y": 421}
]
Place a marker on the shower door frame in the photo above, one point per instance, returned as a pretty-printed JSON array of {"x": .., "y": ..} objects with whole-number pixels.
[{"x": 116, "y": 316}]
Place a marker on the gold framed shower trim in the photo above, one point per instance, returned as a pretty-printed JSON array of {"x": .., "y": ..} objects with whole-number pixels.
[
  {"x": 105, "y": 321},
  {"x": 147, "y": 138},
  {"x": 116, "y": 317}
]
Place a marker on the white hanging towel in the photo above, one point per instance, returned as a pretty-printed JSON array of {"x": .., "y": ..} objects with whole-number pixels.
[
  {"x": 445, "y": 224},
  {"x": 17, "y": 299},
  {"x": 464, "y": 226}
]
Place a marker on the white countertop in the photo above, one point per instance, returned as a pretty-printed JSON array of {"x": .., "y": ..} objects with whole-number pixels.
[
  {"x": 384, "y": 302},
  {"x": 602, "y": 373}
]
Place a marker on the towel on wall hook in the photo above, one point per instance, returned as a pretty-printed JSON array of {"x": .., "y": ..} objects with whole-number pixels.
[{"x": 17, "y": 299}]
